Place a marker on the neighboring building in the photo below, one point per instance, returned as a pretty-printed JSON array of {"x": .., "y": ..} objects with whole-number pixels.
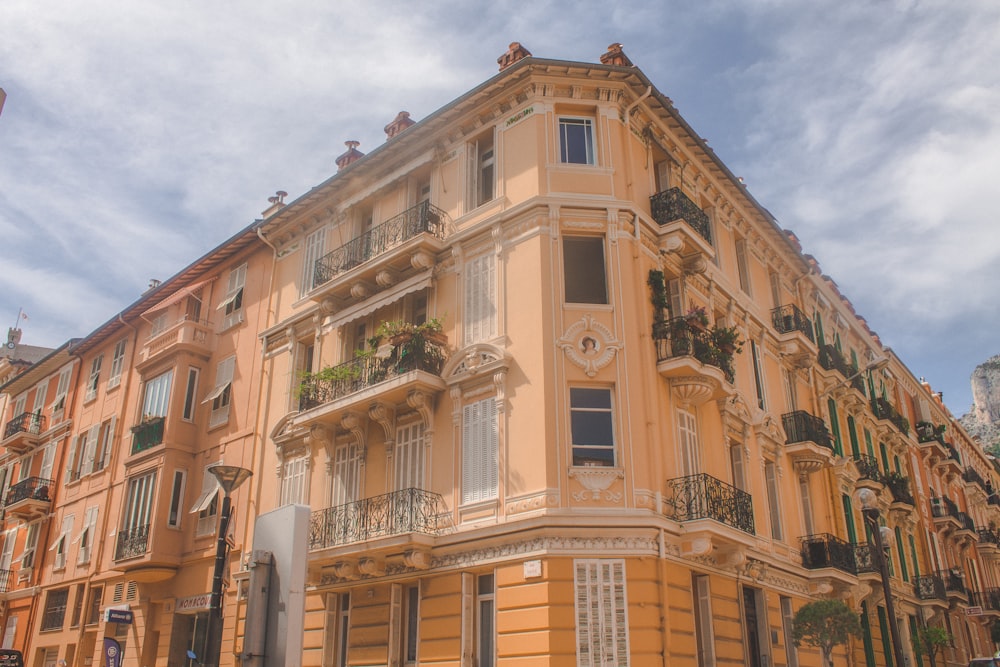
[{"x": 557, "y": 390}]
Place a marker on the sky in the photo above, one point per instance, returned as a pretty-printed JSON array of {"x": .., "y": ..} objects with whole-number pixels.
[{"x": 138, "y": 135}]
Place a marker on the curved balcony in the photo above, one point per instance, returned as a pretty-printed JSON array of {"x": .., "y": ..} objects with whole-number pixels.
[
  {"x": 135, "y": 554},
  {"x": 701, "y": 496},
  {"x": 885, "y": 411},
  {"x": 827, "y": 551},
  {"x": 807, "y": 441},
  {"x": 902, "y": 497},
  {"x": 407, "y": 241},
  {"x": 931, "y": 441},
  {"x": 869, "y": 475},
  {"x": 328, "y": 394},
  {"x": 684, "y": 227},
  {"x": 29, "y": 499},
  {"x": 930, "y": 587},
  {"x": 23, "y": 432},
  {"x": 795, "y": 333},
  {"x": 690, "y": 359},
  {"x": 832, "y": 360}
]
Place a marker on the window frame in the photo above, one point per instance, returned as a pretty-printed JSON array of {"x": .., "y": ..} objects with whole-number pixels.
[
  {"x": 597, "y": 582},
  {"x": 117, "y": 363},
  {"x": 94, "y": 379},
  {"x": 579, "y": 264},
  {"x": 314, "y": 249},
  {"x": 480, "y": 450},
  {"x": 56, "y": 604},
  {"x": 576, "y": 396},
  {"x": 221, "y": 394},
  {"x": 479, "y": 314},
  {"x": 162, "y": 385},
  {"x": 232, "y": 303},
  {"x": 482, "y": 158},
  {"x": 87, "y": 535},
  {"x": 589, "y": 147}
]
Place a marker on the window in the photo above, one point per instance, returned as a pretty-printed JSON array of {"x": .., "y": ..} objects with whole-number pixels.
[
  {"x": 775, "y": 281},
  {"x": 117, "y": 364},
  {"x": 601, "y": 613},
  {"x": 158, "y": 325},
  {"x": 62, "y": 388},
  {"x": 220, "y": 396},
  {"x": 30, "y": 544},
  {"x": 61, "y": 544},
  {"x": 83, "y": 452},
  {"x": 105, "y": 437},
  {"x": 189, "y": 393},
  {"x": 742, "y": 265},
  {"x": 48, "y": 461},
  {"x": 883, "y": 626},
  {"x": 232, "y": 304},
  {"x": 583, "y": 269},
  {"x": 409, "y": 456},
  {"x": 157, "y": 396},
  {"x": 134, "y": 533},
  {"x": 87, "y": 535},
  {"x": 94, "y": 607},
  {"x": 592, "y": 427},
  {"x": 95, "y": 376},
  {"x": 773, "y": 500},
  {"x": 55, "y": 609},
  {"x": 7, "y": 555},
  {"x": 485, "y": 651},
  {"x": 78, "y": 605},
  {"x": 346, "y": 473},
  {"x": 791, "y": 395},
  {"x": 787, "y": 617},
  {"x": 207, "y": 504},
  {"x": 10, "y": 631},
  {"x": 480, "y": 313},
  {"x": 758, "y": 375},
  {"x": 687, "y": 431},
  {"x": 40, "y": 391},
  {"x": 411, "y": 624},
  {"x": 704, "y": 632},
  {"x": 479, "y": 451},
  {"x": 342, "y": 628},
  {"x": 176, "y": 498},
  {"x": 293, "y": 480},
  {"x": 482, "y": 170},
  {"x": 576, "y": 140},
  {"x": 807, "y": 514},
  {"x": 736, "y": 466},
  {"x": 315, "y": 249}
]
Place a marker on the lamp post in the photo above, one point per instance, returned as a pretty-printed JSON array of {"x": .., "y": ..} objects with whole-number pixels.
[
  {"x": 871, "y": 512},
  {"x": 229, "y": 478}
]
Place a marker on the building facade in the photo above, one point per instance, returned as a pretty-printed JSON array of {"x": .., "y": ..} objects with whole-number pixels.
[{"x": 557, "y": 390}]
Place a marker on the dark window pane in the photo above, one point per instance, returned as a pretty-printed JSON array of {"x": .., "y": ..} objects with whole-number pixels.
[{"x": 583, "y": 259}]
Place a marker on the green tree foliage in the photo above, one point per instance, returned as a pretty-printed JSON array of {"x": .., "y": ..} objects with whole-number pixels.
[
  {"x": 931, "y": 639},
  {"x": 825, "y": 624}
]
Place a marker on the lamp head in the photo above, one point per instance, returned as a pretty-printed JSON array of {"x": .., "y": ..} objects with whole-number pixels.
[
  {"x": 229, "y": 477},
  {"x": 867, "y": 498}
]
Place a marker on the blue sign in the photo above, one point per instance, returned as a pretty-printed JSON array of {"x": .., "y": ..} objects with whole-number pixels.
[
  {"x": 112, "y": 653},
  {"x": 119, "y": 616}
]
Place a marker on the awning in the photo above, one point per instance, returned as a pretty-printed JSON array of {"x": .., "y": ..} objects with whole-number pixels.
[
  {"x": 177, "y": 296},
  {"x": 385, "y": 298},
  {"x": 206, "y": 497},
  {"x": 215, "y": 393},
  {"x": 62, "y": 536},
  {"x": 229, "y": 299}
]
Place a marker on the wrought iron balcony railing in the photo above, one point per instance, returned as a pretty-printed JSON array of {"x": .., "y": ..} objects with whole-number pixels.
[
  {"x": 972, "y": 476},
  {"x": 420, "y": 219},
  {"x": 678, "y": 337},
  {"x": 26, "y": 422},
  {"x": 396, "y": 513},
  {"x": 883, "y": 409},
  {"x": 867, "y": 466},
  {"x": 864, "y": 557},
  {"x": 702, "y": 496},
  {"x": 831, "y": 359},
  {"x": 825, "y": 550},
  {"x": 788, "y": 318},
  {"x": 6, "y": 581},
  {"x": 37, "y": 488},
  {"x": 132, "y": 542},
  {"x": 899, "y": 487},
  {"x": 673, "y": 204},
  {"x": 800, "y": 426},
  {"x": 987, "y": 599},
  {"x": 943, "y": 507},
  {"x": 929, "y": 587},
  {"x": 953, "y": 453},
  {"x": 363, "y": 372},
  {"x": 926, "y": 432},
  {"x": 147, "y": 434},
  {"x": 988, "y": 536},
  {"x": 953, "y": 582}
]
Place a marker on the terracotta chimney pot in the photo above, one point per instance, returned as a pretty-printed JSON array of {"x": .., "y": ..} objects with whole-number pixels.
[
  {"x": 352, "y": 154},
  {"x": 399, "y": 123},
  {"x": 615, "y": 56},
  {"x": 514, "y": 53}
]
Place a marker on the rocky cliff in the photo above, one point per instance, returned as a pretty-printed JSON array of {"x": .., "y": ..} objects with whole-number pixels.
[{"x": 984, "y": 417}]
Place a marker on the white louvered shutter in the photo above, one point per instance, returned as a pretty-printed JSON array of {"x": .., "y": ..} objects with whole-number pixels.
[
  {"x": 410, "y": 456},
  {"x": 480, "y": 299},
  {"x": 479, "y": 451},
  {"x": 90, "y": 450}
]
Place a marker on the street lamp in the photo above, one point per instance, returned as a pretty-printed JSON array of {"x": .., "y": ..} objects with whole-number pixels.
[
  {"x": 229, "y": 478},
  {"x": 870, "y": 510}
]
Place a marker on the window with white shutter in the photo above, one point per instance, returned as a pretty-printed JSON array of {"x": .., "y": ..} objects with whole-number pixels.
[
  {"x": 601, "y": 613},
  {"x": 61, "y": 544},
  {"x": 87, "y": 535},
  {"x": 346, "y": 473},
  {"x": 117, "y": 364},
  {"x": 687, "y": 428},
  {"x": 232, "y": 304},
  {"x": 480, "y": 312},
  {"x": 409, "y": 456},
  {"x": 221, "y": 395},
  {"x": 703, "y": 630},
  {"x": 773, "y": 500},
  {"x": 62, "y": 388},
  {"x": 48, "y": 461},
  {"x": 315, "y": 248},
  {"x": 95, "y": 377},
  {"x": 89, "y": 450},
  {"x": 7, "y": 555},
  {"x": 206, "y": 505},
  {"x": 479, "y": 451},
  {"x": 157, "y": 396},
  {"x": 293, "y": 480}
]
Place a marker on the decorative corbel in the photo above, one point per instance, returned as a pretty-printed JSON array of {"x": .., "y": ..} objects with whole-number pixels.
[{"x": 385, "y": 416}]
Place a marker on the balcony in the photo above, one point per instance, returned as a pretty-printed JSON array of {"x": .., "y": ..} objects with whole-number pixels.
[
  {"x": 807, "y": 441},
  {"x": 885, "y": 411},
  {"x": 975, "y": 484},
  {"x": 931, "y": 440},
  {"x": 953, "y": 521},
  {"x": 193, "y": 336},
  {"x": 132, "y": 542},
  {"x": 899, "y": 487},
  {"x": 825, "y": 550},
  {"x": 864, "y": 558},
  {"x": 869, "y": 475},
  {"x": 687, "y": 355},
  {"x": 930, "y": 587},
  {"x": 147, "y": 435},
  {"x": 702, "y": 496},
  {"x": 832, "y": 359},
  {"x": 29, "y": 499},
  {"x": 23, "y": 432},
  {"x": 795, "y": 331},
  {"x": 410, "y": 239},
  {"x": 684, "y": 228},
  {"x": 989, "y": 542},
  {"x": 7, "y": 581},
  {"x": 954, "y": 584},
  {"x": 951, "y": 465},
  {"x": 403, "y": 515},
  {"x": 988, "y": 600}
]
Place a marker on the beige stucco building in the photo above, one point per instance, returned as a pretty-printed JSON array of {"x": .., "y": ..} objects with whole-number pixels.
[{"x": 557, "y": 390}]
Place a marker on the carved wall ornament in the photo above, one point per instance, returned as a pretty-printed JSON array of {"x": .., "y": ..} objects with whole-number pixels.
[
  {"x": 596, "y": 479},
  {"x": 589, "y": 344}
]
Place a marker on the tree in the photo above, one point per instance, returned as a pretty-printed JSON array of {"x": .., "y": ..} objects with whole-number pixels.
[
  {"x": 930, "y": 639},
  {"x": 825, "y": 624}
]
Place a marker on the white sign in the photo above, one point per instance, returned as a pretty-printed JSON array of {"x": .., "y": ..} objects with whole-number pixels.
[
  {"x": 532, "y": 568},
  {"x": 973, "y": 611},
  {"x": 194, "y": 603}
]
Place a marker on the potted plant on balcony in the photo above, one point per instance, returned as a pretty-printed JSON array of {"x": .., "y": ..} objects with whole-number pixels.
[
  {"x": 727, "y": 339},
  {"x": 697, "y": 319},
  {"x": 658, "y": 295}
]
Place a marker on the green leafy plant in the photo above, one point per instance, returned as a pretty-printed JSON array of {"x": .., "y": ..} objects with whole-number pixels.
[
  {"x": 726, "y": 339},
  {"x": 825, "y": 624},
  {"x": 931, "y": 639},
  {"x": 658, "y": 294},
  {"x": 696, "y": 316}
]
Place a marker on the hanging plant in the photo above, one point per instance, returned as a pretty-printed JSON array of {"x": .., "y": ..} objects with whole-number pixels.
[{"x": 658, "y": 294}]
